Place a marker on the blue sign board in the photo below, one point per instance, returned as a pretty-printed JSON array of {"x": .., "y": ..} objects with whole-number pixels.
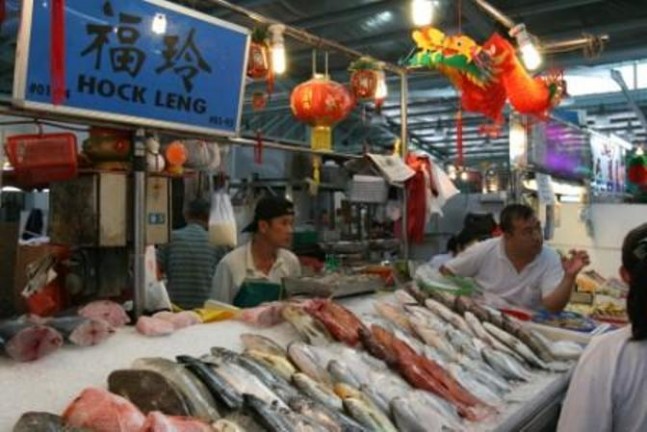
[{"x": 145, "y": 62}]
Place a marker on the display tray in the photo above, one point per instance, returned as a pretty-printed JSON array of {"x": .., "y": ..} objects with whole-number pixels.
[
  {"x": 51, "y": 383},
  {"x": 333, "y": 287}
]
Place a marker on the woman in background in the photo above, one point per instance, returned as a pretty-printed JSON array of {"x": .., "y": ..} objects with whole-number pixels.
[
  {"x": 455, "y": 245},
  {"x": 607, "y": 391}
]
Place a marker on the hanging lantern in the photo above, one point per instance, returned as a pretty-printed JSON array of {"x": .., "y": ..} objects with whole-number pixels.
[
  {"x": 259, "y": 101},
  {"x": 176, "y": 156},
  {"x": 321, "y": 103},
  {"x": 258, "y": 60},
  {"x": 364, "y": 78}
]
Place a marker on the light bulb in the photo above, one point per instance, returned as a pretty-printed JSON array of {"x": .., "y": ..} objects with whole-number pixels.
[
  {"x": 278, "y": 59},
  {"x": 640, "y": 151},
  {"x": 531, "y": 56},
  {"x": 278, "y": 48},
  {"x": 529, "y": 53},
  {"x": 159, "y": 24},
  {"x": 422, "y": 12},
  {"x": 382, "y": 91},
  {"x": 464, "y": 176}
]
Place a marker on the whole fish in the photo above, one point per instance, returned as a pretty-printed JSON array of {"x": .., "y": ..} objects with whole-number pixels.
[
  {"x": 308, "y": 362},
  {"x": 312, "y": 331},
  {"x": 370, "y": 418},
  {"x": 505, "y": 365},
  {"x": 515, "y": 344},
  {"x": 268, "y": 417},
  {"x": 261, "y": 343},
  {"x": 469, "y": 381},
  {"x": 394, "y": 314},
  {"x": 444, "y": 298},
  {"x": 244, "y": 420},
  {"x": 340, "y": 373},
  {"x": 244, "y": 382},
  {"x": 201, "y": 403},
  {"x": 435, "y": 339},
  {"x": 466, "y": 304},
  {"x": 332, "y": 420},
  {"x": 24, "y": 341},
  {"x": 463, "y": 343},
  {"x": 421, "y": 412},
  {"x": 279, "y": 365},
  {"x": 219, "y": 388},
  {"x": 367, "y": 405},
  {"x": 448, "y": 315},
  {"x": 404, "y": 298},
  {"x": 340, "y": 322},
  {"x": 527, "y": 336},
  {"x": 486, "y": 375},
  {"x": 272, "y": 380},
  {"x": 424, "y": 315},
  {"x": 317, "y": 391}
]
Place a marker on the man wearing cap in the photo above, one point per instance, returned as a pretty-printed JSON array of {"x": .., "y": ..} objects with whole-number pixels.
[{"x": 253, "y": 272}]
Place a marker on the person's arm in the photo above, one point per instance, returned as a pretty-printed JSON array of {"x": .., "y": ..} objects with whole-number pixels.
[
  {"x": 465, "y": 264},
  {"x": 556, "y": 297}
]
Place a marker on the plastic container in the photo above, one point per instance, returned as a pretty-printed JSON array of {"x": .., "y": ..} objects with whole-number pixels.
[{"x": 41, "y": 158}]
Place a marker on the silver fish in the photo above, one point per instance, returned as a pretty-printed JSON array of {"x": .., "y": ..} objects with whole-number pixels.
[
  {"x": 270, "y": 418},
  {"x": 332, "y": 420},
  {"x": 261, "y": 343},
  {"x": 448, "y": 315},
  {"x": 404, "y": 297},
  {"x": 486, "y": 375},
  {"x": 309, "y": 363},
  {"x": 515, "y": 344},
  {"x": 435, "y": 339},
  {"x": 422, "y": 411},
  {"x": 275, "y": 382},
  {"x": 281, "y": 366},
  {"x": 317, "y": 391},
  {"x": 424, "y": 315},
  {"x": 223, "y": 425},
  {"x": 463, "y": 343},
  {"x": 469, "y": 381},
  {"x": 505, "y": 365},
  {"x": 394, "y": 314},
  {"x": 246, "y": 383},
  {"x": 340, "y": 373},
  {"x": 202, "y": 404},
  {"x": 368, "y": 416},
  {"x": 312, "y": 331}
]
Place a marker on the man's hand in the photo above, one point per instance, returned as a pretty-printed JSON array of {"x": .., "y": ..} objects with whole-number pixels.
[{"x": 575, "y": 262}]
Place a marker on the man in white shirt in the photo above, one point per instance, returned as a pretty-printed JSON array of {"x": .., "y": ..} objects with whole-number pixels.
[
  {"x": 265, "y": 257},
  {"x": 518, "y": 267}
]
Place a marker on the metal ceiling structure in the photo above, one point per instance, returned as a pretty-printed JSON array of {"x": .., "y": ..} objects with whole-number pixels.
[{"x": 382, "y": 29}]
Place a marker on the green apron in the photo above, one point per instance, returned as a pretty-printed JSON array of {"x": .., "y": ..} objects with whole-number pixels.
[{"x": 254, "y": 292}]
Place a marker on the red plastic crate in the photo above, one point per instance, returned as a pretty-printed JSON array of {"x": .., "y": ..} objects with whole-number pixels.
[{"x": 42, "y": 158}]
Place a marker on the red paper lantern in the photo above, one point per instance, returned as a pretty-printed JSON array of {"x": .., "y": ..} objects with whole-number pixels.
[
  {"x": 321, "y": 103},
  {"x": 258, "y": 64},
  {"x": 364, "y": 83}
]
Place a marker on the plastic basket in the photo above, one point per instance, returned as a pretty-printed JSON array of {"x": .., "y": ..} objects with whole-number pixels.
[{"x": 42, "y": 158}]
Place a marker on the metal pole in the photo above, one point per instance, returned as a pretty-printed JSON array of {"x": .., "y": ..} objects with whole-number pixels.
[
  {"x": 404, "y": 138},
  {"x": 573, "y": 44},
  {"x": 301, "y": 35},
  {"x": 139, "y": 218},
  {"x": 495, "y": 13}
]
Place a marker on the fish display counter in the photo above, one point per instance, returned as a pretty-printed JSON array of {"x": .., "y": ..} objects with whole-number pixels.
[{"x": 529, "y": 398}]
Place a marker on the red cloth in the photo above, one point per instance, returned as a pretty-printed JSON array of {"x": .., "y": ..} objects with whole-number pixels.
[
  {"x": 417, "y": 196},
  {"x": 2, "y": 11}
]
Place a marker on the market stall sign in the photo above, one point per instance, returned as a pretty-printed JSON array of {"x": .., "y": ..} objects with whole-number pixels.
[{"x": 146, "y": 62}]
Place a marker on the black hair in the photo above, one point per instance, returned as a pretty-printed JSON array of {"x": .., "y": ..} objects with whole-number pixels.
[
  {"x": 514, "y": 212},
  {"x": 451, "y": 245},
  {"x": 467, "y": 236},
  {"x": 634, "y": 260},
  {"x": 199, "y": 208}
]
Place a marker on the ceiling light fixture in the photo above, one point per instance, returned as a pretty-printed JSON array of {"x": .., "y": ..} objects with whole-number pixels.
[
  {"x": 159, "y": 24},
  {"x": 422, "y": 12},
  {"x": 529, "y": 52},
  {"x": 279, "y": 63}
]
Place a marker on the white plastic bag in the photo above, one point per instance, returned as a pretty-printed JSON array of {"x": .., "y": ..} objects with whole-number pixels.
[
  {"x": 222, "y": 221},
  {"x": 156, "y": 294}
]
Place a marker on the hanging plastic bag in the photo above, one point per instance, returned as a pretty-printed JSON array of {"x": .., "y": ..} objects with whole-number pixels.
[
  {"x": 156, "y": 294},
  {"x": 222, "y": 221}
]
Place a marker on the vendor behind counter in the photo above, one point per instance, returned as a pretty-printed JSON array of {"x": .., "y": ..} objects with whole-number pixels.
[{"x": 252, "y": 273}]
